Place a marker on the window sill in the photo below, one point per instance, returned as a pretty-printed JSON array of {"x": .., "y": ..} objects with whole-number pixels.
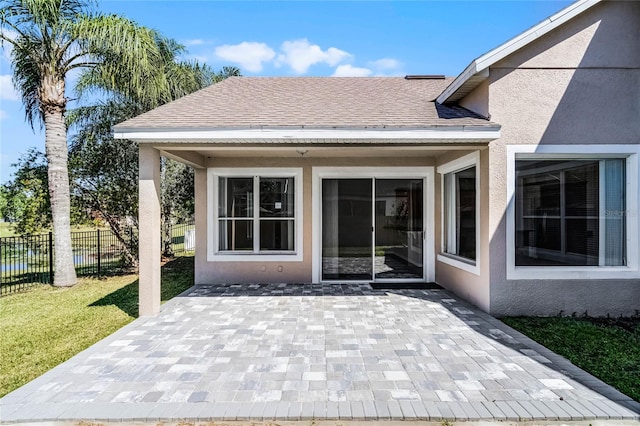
[
  {"x": 571, "y": 272},
  {"x": 255, "y": 257},
  {"x": 460, "y": 263}
]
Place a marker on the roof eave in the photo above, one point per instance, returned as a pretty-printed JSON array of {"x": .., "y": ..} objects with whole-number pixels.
[
  {"x": 478, "y": 70},
  {"x": 436, "y": 133}
]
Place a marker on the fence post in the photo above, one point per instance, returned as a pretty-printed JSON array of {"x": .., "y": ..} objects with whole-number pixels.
[
  {"x": 50, "y": 257},
  {"x": 98, "y": 252}
]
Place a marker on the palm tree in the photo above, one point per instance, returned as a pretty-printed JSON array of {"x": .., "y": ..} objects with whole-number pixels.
[
  {"x": 104, "y": 169},
  {"x": 49, "y": 39}
]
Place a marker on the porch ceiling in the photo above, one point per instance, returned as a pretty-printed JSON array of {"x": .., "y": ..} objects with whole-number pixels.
[{"x": 196, "y": 155}]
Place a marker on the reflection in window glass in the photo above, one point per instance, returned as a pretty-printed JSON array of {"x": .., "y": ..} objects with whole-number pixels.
[
  {"x": 236, "y": 235},
  {"x": 276, "y": 235},
  {"x": 276, "y": 197},
  {"x": 238, "y": 220},
  {"x": 235, "y": 197},
  {"x": 460, "y": 213},
  {"x": 570, "y": 212}
]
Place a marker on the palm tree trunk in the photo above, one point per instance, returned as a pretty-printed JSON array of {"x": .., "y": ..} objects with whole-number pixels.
[
  {"x": 167, "y": 249},
  {"x": 57, "y": 153}
]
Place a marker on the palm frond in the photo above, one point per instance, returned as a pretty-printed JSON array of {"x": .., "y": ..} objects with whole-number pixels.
[
  {"x": 118, "y": 57},
  {"x": 169, "y": 48},
  {"x": 187, "y": 77},
  {"x": 46, "y": 20},
  {"x": 123, "y": 51},
  {"x": 27, "y": 77},
  {"x": 226, "y": 72},
  {"x": 168, "y": 80},
  {"x": 38, "y": 31}
]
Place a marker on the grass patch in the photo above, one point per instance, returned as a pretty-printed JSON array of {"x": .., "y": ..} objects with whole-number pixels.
[
  {"x": 45, "y": 326},
  {"x": 7, "y": 229},
  {"x": 608, "y": 348}
]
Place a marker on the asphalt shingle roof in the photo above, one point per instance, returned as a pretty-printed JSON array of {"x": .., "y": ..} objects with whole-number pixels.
[{"x": 310, "y": 102}]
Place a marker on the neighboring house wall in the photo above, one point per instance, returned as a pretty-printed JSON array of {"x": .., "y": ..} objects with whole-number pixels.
[
  {"x": 265, "y": 272},
  {"x": 472, "y": 287},
  {"x": 579, "y": 84}
]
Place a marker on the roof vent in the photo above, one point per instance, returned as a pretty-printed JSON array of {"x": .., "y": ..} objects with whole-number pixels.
[{"x": 424, "y": 77}]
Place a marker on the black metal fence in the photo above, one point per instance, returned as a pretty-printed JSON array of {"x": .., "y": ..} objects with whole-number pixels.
[
  {"x": 28, "y": 260},
  {"x": 183, "y": 237},
  {"x": 25, "y": 261}
]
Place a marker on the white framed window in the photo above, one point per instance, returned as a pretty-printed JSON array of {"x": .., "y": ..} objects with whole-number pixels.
[
  {"x": 255, "y": 214},
  {"x": 572, "y": 212},
  {"x": 460, "y": 231}
]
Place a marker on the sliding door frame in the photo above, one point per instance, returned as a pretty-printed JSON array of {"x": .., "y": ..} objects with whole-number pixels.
[{"x": 424, "y": 173}]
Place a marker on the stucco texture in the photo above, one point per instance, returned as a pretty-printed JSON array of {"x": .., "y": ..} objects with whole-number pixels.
[
  {"x": 281, "y": 271},
  {"x": 579, "y": 84},
  {"x": 472, "y": 287}
]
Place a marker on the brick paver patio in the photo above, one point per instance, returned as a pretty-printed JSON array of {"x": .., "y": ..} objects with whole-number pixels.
[{"x": 301, "y": 352}]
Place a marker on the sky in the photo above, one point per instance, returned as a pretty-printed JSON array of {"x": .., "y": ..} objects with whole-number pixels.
[{"x": 305, "y": 38}]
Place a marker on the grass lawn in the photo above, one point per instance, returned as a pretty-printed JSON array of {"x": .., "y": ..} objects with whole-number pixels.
[
  {"x": 7, "y": 229},
  {"x": 45, "y": 326},
  {"x": 608, "y": 348}
]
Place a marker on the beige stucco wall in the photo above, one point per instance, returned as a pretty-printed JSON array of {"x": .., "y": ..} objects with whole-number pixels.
[
  {"x": 478, "y": 100},
  {"x": 275, "y": 272},
  {"x": 472, "y": 287},
  {"x": 606, "y": 35},
  {"x": 579, "y": 84}
]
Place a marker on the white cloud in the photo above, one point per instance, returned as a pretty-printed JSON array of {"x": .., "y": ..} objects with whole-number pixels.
[
  {"x": 7, "y": 91},
  {"x": 351, "y": 71},
  {"x": 195, "y": 42},
  {"x": 199, "y": 58},
  {"x": 386, "y": 67},
  {"x": 300, "y": 55},
  {"x": 249, "y": 55},
  {"x": 386, "y": 64},
  {"x": 3, "y": 115}
]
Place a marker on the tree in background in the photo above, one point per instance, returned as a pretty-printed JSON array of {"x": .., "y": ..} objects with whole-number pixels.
[
  {"x": 4, "y": 200},
  {"x": 177, "y": 197},
  {"x": 106, "y": 170},
  {"x": 27, "y": 201},
  {"x": 49, "y": 39}
]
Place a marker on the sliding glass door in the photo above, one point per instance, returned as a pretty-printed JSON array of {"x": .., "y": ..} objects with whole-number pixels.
[
  {"x": 398, "y": 229},
  {"x": 372, "y": 229},
  {"x": 346, "y": 229}
]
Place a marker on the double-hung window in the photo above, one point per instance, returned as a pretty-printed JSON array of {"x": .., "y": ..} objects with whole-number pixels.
[
  {"x": 460, "y": 203},
  {"x": 256, "y": 212}
]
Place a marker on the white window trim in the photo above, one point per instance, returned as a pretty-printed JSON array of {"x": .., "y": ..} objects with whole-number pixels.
[
  {"x": 425, "y": 173},
  {"x": 213, "y": 253},
  {"x": 632, "y": 154},
  {"x": 458, "y": 165}
]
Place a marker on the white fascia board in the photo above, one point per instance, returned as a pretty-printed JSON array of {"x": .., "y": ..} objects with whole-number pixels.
[
  {"x": 482, "y": 63},
  {"x": 534, "y": 33},
  {"x": 470, "y": 71},
  {"x": 459, "y": 133}
]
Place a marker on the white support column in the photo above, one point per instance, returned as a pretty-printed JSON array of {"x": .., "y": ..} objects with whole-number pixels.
[
  {"x": 149, "y": 224},
  {"x": 202, "y": 193}
]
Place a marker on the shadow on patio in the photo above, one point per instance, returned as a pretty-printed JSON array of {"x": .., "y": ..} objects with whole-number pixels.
[{"x": 177, "y": 277}]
